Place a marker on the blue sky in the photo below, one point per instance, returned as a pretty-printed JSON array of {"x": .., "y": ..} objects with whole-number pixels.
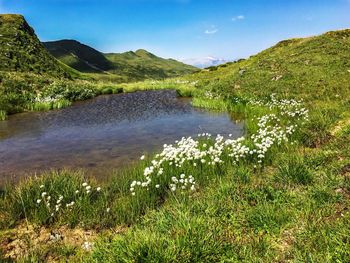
[{"x": 180, "y": 29}]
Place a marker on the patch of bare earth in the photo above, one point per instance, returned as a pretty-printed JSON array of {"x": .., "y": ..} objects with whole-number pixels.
[
  {"x": 17, "y": 243},
  {"x": 285, "y": 243},
  {"x": 340, "y": 126}
]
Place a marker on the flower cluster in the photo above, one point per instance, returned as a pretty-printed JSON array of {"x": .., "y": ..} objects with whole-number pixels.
[
  {"x": 55, "y": 205},
  {"x": 290, "y": 107},
  {"x": 46, "y": 99},
  {"x": 176, "y": 81},
  {"x": 205, "y": 151},
  {"x": 211, "y": 95},
  {"x": 269, "y": 134},
  {"x": 183, "y": 183}
]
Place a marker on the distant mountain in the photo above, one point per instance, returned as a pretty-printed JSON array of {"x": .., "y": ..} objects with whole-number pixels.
[
  {"x": 137, "y": 65},
  {"x": 205, "y": 62},
  {"x": 142, "y": 64},
  {"x": 78, "y": 56},
  {"x": 21, "y": 50}
]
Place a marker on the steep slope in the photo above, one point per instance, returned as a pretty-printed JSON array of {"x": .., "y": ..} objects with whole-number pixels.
[
  {"x": 130, "y": 65},
  {"x": 305, "y": 67},
  {"x": 21, "y": 50},
  {"x": 78, "y": 56}
]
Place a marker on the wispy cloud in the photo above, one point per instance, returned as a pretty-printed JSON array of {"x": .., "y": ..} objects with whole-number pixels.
[
  {"x": 236, "y": 18},
  {"x": 212, "y": 30}
]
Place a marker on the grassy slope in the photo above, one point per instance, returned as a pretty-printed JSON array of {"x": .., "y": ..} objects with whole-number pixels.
[
  {"x": 31, "y": 78},
  {"x": 129, "y": 66},
  {"x": 294, "y": 209},
  {"x": 314, "y": 68},
  {"x": 255, "y": 216},
  {"x": 21, "y": 51},
  {"x": 78, "y": 56},
  {"x": 144, "y": 65}
]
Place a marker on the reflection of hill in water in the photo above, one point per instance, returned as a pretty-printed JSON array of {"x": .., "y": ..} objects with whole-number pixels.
[
  {"x": 111, "y": 109},
  {"x": 125, "y": 107}
]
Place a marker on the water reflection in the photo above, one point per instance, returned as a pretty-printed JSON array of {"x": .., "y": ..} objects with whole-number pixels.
[{"x": 102, "y": 134}]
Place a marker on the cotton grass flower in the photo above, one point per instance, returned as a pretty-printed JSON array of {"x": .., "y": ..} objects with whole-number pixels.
[{"x": 213, "y": 151}]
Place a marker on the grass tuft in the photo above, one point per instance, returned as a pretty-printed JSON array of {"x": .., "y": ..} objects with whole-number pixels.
[{"x": 294, "y": 170}]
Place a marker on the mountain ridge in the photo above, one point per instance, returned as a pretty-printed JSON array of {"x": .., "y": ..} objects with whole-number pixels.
[
  {"x": 78, "y": 56},
  {"x": 134, "y": 65},
  {"x": 22, "y": 51}
]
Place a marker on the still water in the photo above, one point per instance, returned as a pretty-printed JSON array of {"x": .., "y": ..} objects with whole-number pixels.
[{"x": 102, "y": 134}]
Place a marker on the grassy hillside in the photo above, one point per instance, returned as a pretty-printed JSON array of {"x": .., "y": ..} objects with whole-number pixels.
[
  {"x": 28, "y": 72},
  {"x": 144, "y": 65},
  {"x": 281, "y": 193},
  {"x": 130, "y": 65},
  {"x": 21, "y": 51},
  {"x": 312, "y": 68},
  {"x": 78, "y": 56}
]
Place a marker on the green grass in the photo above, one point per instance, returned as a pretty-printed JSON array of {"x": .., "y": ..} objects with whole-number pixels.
[
  {"x": 293, "y": 170},
  {"x": 215, "y": 104},
  {"x": 21, "y": 50},
  {"x": 3, "y": 115},
  {"x": 294, "y": 207},
  {"x": 287, "y": 210},
  {"x": 44, "y": 106},
  {"x": 27, "y": 91}
]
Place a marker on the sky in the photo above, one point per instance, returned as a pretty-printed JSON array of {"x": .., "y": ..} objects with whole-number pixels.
[{"x": 181, "y": 29}]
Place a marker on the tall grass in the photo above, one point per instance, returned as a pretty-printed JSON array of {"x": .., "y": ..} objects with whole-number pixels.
[
  {"x": 50, "y": 105},
  {"x": 3, "y": 115},
  {"x": 294, "y": 170},
  {"x": 214, "y": 104}
]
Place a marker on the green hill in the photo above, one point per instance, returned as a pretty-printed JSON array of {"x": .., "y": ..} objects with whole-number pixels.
[
  {"x": 280, "y": 193},
  {"x": 313, "y": 67},
  {"x": 131, "y": 65},
  {"x": 78, "y": 56},
  {"x": 143, "y": 65},
  {"x": 21, "y": 50}
]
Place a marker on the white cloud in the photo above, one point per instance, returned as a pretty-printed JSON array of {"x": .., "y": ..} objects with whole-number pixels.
[
  {"x": 212, "y": 30},
  {"x": 240, "y": 17},
  {"x": 204, "y": 62}
]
